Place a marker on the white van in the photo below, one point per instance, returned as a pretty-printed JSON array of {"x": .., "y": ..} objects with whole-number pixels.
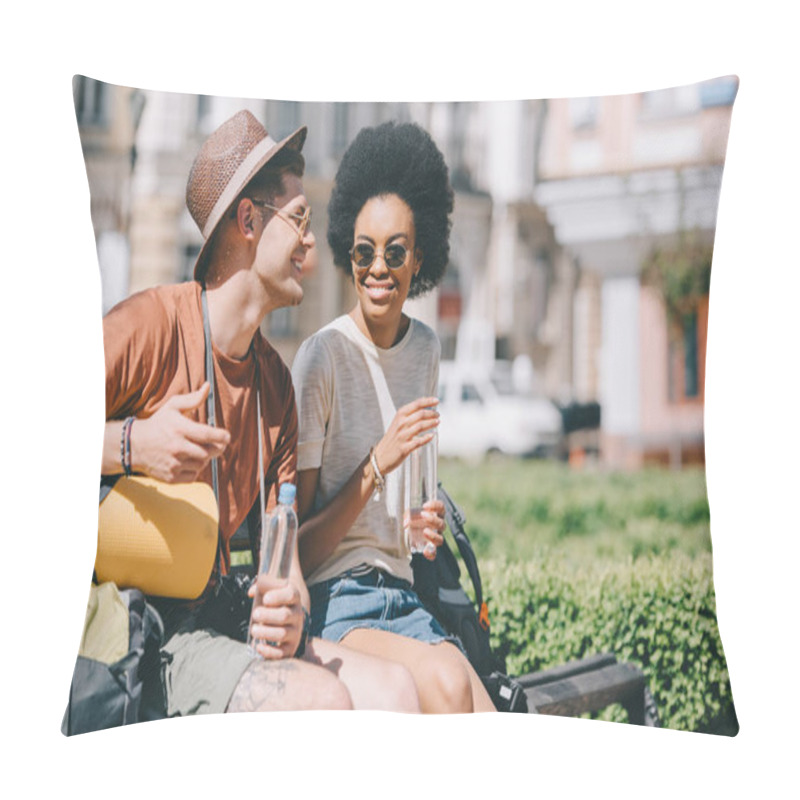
[{"x": 482, "y": 412}]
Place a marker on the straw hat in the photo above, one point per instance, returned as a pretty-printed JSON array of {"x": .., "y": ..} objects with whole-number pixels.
[{"x": 226, "y": 163}]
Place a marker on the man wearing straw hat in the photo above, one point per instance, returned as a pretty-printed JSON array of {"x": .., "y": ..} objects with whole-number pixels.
[{"x": 245, "y": 193}]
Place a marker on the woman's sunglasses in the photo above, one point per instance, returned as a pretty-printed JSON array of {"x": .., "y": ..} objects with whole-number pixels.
[{"x": 363, "y": 255}]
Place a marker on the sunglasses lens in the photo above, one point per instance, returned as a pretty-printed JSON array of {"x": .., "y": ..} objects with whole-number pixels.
[
  {"x": 395, "y": 256},
  {"x": 363, "y": 255}
]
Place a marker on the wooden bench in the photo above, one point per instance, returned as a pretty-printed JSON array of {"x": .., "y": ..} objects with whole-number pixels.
[{"x": 590, "y": 684}]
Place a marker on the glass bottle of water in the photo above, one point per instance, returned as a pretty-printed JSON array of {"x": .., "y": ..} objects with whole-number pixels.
[
  {"x": 278, "y": 536},
  {"x": 421, "y": 485}
]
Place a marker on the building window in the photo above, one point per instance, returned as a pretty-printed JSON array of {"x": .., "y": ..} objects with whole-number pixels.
[
  {"x": 691, "y": 385},
  {"x": 91, "y": 101},
  {"x": 672, "y": 102},
  {"x": 341, "y": 128},
  {"x": 287, "y": 118},
  {"x": 448, "y": 341},
  {"x": 719, "y": 92},
  {"x": 583, "y": 112},
  {"x": 686, "y": 356},
  {"x": 190, "y": 253},
  {"x": 503, "y": 350},
  {"x": 455, "y": 147},
  {"x": 204, "y": 119},
  {"x": 282, "y": 323}
]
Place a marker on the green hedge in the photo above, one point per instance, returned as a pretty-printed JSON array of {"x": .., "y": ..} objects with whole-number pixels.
[
  {"x": 658, "y": 613},
  {"x": 578, "y": 562}
]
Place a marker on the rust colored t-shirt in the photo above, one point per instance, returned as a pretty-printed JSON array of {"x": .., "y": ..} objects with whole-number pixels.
[{"x": 155, "y": 348}]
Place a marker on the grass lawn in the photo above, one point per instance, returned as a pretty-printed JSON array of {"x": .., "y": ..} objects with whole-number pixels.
[{"x": 517, "y": 508}]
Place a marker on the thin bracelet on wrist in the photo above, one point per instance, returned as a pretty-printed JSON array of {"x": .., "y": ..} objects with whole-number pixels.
[
  {"x": 377, "y": 477},
  {"x": 128, "y": 459}
]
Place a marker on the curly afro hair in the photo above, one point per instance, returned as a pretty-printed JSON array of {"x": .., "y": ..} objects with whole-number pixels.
[{"x": 400, "y": 159}]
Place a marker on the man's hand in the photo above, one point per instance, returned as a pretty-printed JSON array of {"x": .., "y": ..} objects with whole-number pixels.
[
  {"x": 173, "y": 448},
  {"x": 277, "y": 621}
]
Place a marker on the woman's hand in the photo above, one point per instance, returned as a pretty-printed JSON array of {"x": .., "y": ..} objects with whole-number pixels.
[
  {"x": 425, "y": 532},
  {"x": 413, "y": 426}
]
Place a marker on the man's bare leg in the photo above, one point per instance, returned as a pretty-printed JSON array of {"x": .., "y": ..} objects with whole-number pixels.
[
  {"x": 374, "y": 683},
  {"x": 288, "y": 685}
]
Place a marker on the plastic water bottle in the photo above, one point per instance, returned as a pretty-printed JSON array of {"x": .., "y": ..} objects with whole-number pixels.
[{"x": 278, "y": 536}]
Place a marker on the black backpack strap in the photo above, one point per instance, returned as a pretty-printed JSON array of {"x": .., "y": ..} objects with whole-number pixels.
[
  {"x": 253, "y": 519},
  {"x": 456, "y": 521}
]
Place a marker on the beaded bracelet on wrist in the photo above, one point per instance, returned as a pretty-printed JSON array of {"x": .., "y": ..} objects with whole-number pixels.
[
  {"x": 125, "y": 445},
  {"x": 122, "y": 445},
  {"x": 378, "y": 479}
]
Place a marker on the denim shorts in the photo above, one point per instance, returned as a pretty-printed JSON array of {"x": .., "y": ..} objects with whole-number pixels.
[{"x": 371, "y": 598}]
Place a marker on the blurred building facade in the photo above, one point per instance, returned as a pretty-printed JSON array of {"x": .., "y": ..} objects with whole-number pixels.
[
  {"x": 631, "y": 185},
  {"x": 558, "y": 204}
]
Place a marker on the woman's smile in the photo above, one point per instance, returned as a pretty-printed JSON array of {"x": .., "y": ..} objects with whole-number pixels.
[{"x": 379, "y": 291}]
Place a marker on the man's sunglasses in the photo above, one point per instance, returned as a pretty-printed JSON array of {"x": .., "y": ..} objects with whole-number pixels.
[
  {"x": 300, "y": 221},
  {"x": 364, "y": 255}
]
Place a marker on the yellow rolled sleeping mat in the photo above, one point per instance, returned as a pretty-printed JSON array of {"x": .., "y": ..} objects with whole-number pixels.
[{"x": 158, "y": 537}]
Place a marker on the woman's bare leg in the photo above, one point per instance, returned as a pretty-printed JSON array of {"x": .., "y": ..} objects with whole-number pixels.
[
  {"x": 374, "y": 683},
  {"x": 446, "y": 681}
]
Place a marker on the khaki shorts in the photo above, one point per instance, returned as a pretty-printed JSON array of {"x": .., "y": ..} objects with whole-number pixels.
[{"x": 200, "y": 670}]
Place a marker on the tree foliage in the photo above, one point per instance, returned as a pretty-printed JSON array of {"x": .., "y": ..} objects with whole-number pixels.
[{"x": 681, "y": 274}]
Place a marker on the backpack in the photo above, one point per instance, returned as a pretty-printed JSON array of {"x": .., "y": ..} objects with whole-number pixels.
[
  {"x": 115, "y": 681},
  {"x": 438, "y": 585}
]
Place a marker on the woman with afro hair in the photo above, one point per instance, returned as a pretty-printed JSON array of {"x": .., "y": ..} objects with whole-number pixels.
[{"x": 366, "y": 393}]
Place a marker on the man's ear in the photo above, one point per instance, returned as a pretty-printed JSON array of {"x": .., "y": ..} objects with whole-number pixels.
[{"x": 245, "y": 217}]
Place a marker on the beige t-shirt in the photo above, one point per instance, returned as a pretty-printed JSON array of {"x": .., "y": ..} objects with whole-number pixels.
[
  {"x": 348, "y": 391},
  {"x": 155, "y": 348}
]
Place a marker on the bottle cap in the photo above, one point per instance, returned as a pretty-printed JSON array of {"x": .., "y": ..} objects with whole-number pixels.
[{"x": 287, "y": 493}]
